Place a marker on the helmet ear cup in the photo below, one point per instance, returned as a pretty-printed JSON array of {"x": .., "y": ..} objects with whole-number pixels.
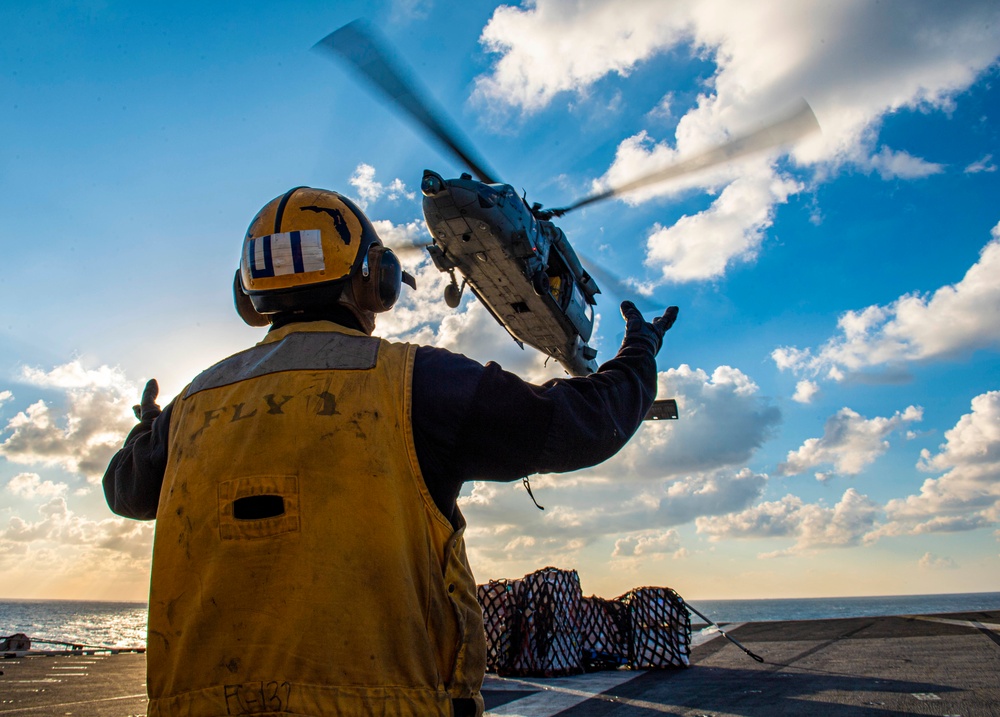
[
  {"x": 244, "y": 306},
  {"x": 378, "y": 282}
]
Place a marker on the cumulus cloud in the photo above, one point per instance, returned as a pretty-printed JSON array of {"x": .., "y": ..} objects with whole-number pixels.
[
  {"x": 69, "y": 544},
  {"x": 370, "y": 190},
  {"x": 805, "y": 391},
  {"x": 724, "y": 421},
  {"x": 967, "y": 495},
  {"x": 667, "y": 542},
  {"x": 704, "y": 245},
  {"x": 812, "y": 526},
  {"x": 930, "y": 561},
  {"x": 5, "y": 396},
  {"x": 850, "y": 442},
  {"x": 856, "y": 62},
  {"x": 80, "y": 436},
  {"x": 31, "y": 485},
  {"x": 952, "y": 321},
  {"x": 891, "y": 164}
]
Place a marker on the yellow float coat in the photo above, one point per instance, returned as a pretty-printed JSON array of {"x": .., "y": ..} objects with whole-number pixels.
[{"x": 300, "y": 566}]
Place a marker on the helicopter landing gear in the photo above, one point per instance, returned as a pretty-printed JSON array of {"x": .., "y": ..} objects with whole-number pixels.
[
  {"x": 540, "y": 283},
  {"x": 453, "y": 293}
]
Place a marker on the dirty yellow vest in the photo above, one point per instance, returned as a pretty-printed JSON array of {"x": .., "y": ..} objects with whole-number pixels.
[{"x": 300, "y": 565}]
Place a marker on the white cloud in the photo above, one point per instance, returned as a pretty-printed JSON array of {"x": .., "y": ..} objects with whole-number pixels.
[
  {"x": 81, "y": 437},
  {"x": 929, "y": 561},
  {"x": 654, "y": 543},
  {"x": 68, "y": 544},
  {"x": 850, "y": 442},
  {"x": 953, "y": 321},
  {"x": 891, "y": 164},
  {"x": 982, "y": 165},
  {"x": 855, "y": 61},
  {"x": 370, "y": 190},
  {"x": 30, "y": 485},
  {"x": 724, "y": 420},
  {"x": 967, "y": 495},
  {"x": 5, "y": 396},
  {"x": 805, "y": 391},
  {"x": 812, "y": 526},
  {"x": 704, "y": 245},
  {"x": 577, "y": 43}
]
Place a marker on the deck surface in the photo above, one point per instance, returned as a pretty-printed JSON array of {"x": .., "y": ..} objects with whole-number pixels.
[{"x": 931, "y": 665}]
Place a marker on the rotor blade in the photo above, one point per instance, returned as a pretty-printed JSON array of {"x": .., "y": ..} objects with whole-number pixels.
[
  {"x": 785, "y": 130},
  {"x": 410, "y": 251},
  {"x": 358, "y": 44}
]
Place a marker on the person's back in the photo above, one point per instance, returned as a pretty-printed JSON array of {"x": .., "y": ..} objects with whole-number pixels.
[{"x": 309, "y": 555}]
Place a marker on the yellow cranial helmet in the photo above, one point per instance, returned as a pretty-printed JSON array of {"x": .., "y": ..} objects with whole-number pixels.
[{"x": 309, "y": 249}]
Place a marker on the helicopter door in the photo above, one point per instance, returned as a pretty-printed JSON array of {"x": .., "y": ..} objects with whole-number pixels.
[{"x": 579, "y": 311}]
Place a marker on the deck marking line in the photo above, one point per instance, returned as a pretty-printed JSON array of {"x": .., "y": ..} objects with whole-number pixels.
[
  {"x": 556, "y": 698},
  {"x": 72, "y": 704},
  {"x": 961, "y": 623}
]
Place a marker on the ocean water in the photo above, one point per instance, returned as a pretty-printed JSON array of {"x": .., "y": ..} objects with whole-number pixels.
[
  {"x": 91, "y": 623},
  {"x": 823, "y": 608},
  {"x": 123, "y": 624}
]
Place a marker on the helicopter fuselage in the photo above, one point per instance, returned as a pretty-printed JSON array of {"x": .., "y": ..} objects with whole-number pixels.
[{"x": 521, "y": 268}]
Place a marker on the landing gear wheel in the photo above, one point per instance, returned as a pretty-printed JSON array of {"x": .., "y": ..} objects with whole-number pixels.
[{"x": 452, "y": 295}]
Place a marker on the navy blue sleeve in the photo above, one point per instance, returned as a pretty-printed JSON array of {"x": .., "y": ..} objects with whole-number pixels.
[
  {"x": 134, "y": 476},
  {"x": 474, "y": 422}
]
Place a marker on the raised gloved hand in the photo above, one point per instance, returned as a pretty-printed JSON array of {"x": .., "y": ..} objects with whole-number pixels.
[
  {"x": 147, "y": 409},
  {"x": 636, "y": 325}
]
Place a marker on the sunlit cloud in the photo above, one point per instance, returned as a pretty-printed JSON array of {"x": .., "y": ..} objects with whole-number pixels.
[
  {"x": 811, "y": 526},
  {"x": 952, "y": 321},
  {"x": 80, "y": 435},
  {"x": 855, "y": 62},
  {"x": 967, "y": 495},
  {"x": 849, "y": 444},
  {"x": 930, "y": 561},
  {"x": 31, "y": 485},
  {"x": 805, "y": 391},
  {"x": 724, "y": 420},
  {"x": 369, "y": 190},
  {"x": 891, "y": 164},
  {"x": 666, "y": 542},
  {"x": 69, "y": 544},
  {"x": 702, "y": 246}
]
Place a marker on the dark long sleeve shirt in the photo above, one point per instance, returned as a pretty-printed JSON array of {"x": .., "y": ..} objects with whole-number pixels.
[{"x": 470, "y": 422}]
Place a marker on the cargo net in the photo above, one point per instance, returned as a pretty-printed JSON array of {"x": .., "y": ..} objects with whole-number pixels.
[{"x": 542, "y": 626}]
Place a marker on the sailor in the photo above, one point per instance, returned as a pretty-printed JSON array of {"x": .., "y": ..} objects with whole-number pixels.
[{"x": 309, "y": 554}]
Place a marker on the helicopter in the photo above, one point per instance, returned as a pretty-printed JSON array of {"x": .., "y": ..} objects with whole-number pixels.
[{"x": 510, "y": 254}]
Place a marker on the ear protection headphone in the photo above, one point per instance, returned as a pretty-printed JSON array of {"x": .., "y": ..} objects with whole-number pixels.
[{"x": 379, "y": 280}]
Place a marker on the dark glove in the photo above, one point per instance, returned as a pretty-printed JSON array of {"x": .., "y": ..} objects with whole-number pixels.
[
  {"x": 147, "y": 408},
  {"x": 653, "y": 332}
]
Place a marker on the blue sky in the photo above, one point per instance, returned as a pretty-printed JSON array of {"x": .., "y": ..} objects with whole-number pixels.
[{"x": 835, "y": 358}]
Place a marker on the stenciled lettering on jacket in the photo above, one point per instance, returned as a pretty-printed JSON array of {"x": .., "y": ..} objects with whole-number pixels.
[{"x": 274, "y": 404}]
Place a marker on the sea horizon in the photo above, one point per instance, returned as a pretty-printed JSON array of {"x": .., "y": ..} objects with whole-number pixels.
[
  {"x": 122, "y": 623},
  {"x": 692, "y": 601}
]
